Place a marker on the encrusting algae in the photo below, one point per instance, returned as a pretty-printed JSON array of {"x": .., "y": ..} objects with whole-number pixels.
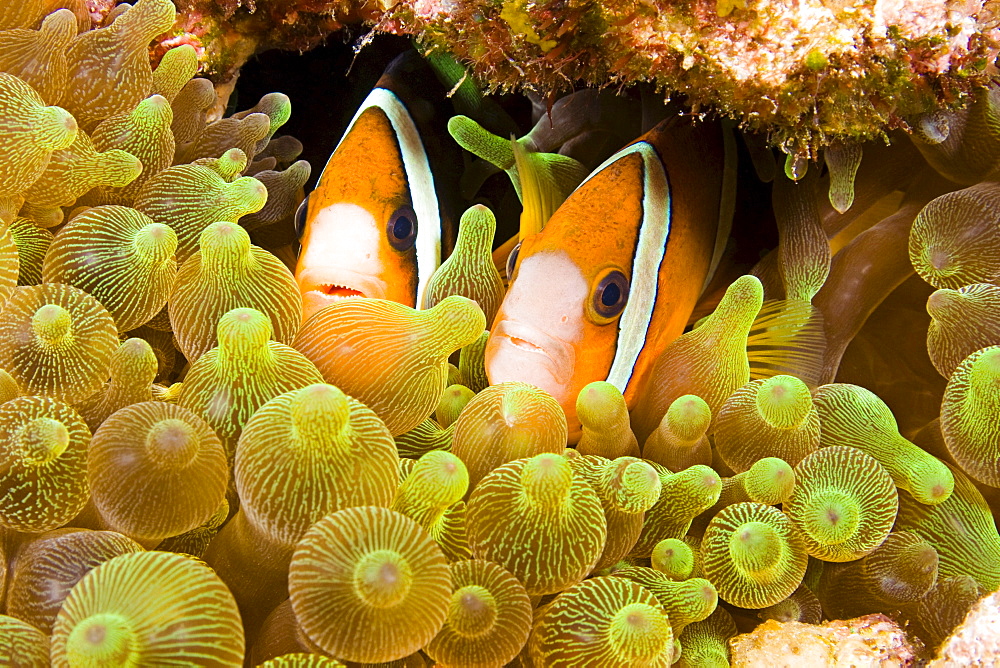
[{"x": 747, "y": 423}]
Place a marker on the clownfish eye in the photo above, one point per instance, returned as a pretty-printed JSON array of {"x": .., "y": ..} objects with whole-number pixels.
[
  {"x": 611, "y": 294},
  {"x": 512, "y": 260},
  {"x": 402, "y": 228},
  {"x": 300, "y": 218}
]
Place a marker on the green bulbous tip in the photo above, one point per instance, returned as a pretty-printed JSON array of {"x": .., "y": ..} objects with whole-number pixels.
[
  {"x": 984, "y": 374},
  {"x": 100, "y": 640},
  {"x": 154, "y": 110},
  {"x": 755, "y": 547},
  {"x": 783, "y": 401},
  {"x": 230, "y": 163},
  {"x": 599, "y": 403},
  {"x": 52, "y": 324},
  {"x": 472, "y": 611},
  {"x": 250, "y": 193},
  {"x": 243, "y": 329},
  {"x": 769, "y": 480},
  {"x": 480, "y": 142},
  {"x": 442, "y": 477},
  {"x": 674, "y": 558},
  {"x": 43, "y": 440},
  {"x": 457, "y": 321},
  {"x": 172, "y": 444},
  {"x": 547, "y": 478},
  {"x": 689, "y": 417},
  {"x": 945, "y": 303},
  {"x": 638, "y": 631},
  {"x": 320, "y": 411},
  {"x": 223, "y": 242},
  {"x": 57, "y": 128},
  {"x": 155, "y": 242},
  {"x": 832, "y": 518},
  {"x": 638, "y": 486},
  {"x": 382, "y": 578}
]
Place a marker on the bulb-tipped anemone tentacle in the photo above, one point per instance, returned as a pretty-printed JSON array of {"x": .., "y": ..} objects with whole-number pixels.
[
  {"x": 773, "y": 417},
  {"x": 43, "y": 450},
  {"x": 78, "y": 168},
  {"x": 301, "y": 660},
  {"x": 753, "y": 555},
  {"x": 962, "y": 321},
  {"x": 679, "y": 441},
  {"x": 32, "y": 243},
  {"x": 133, "y": 370},
  {"x": 143, "y": 132},
  {"x": 540, "y": 521},
  {"x": 855, "y": 417},
  {"x": 49, "y": 565},
  {"x": 22, "y": 644},
  {"x": 302, "y": 455},
  {"x": 57, "y": 341},
  {"x": 844, "y": 503},
  {"x": 469, "y": 270},
  {"x": 177, "y": 66},
  {"x": 604, "y": 417},
  {"x": 705, "y": 644},
  {"x": 769, "y": 481},
  {"x": 898, "y": 573},
  {"x": 710, "y": 361},
  {"x": 156, "y": 470},
  {"x": 603, "y": 621},
  {"x": 190, "y": 197},
  {"x": 627, "y": 487},
  {"x": 110, "y": 616},
  {"x": 691, "y": 600},
  {"x": 961, "y": 529},
  {"x": 431, "y": 495},
  {"x": 31, "y": 132},
  {"x": 683, "y": 496},
  {"x": 425, "y": 437},
  {"x": 489, "y": 617},
  {"x": 955, "y": 239},
  {"x": 800, "y": 606},
  {"x": 506, "y": 422},
  {"x": 969, "y": 415},
  {"x": 109, "y": 70},
  {"x": 471, "y": 363},
  {"x": 38, "y": 57},
  {"x": 368, "y": 585},
  {"x": 674, "y": 558},
  {"x": 390, "y": 356},
  {"x": 453, "y": 400},
  {"x": 247, "y": 368},
  {"x": 229, "y": 272},
  {"x": 120, "y": 257}
]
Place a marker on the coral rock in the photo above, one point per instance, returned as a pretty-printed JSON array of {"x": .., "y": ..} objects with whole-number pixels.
[{"x": 872, "y": 640}]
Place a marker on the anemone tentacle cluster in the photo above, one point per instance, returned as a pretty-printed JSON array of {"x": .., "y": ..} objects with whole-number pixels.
[{"x": 190, "y": 472}]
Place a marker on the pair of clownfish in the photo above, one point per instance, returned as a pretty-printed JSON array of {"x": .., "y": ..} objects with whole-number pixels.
[{"x": 610, "y": 280}]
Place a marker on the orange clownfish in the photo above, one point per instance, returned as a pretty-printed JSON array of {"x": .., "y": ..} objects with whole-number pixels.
[
  {"x": 615, "y": 274},
  {"x": 375, "y": 225}
]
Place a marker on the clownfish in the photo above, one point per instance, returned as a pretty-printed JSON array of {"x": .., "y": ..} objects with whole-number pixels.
[
  {"x": 378, "y": 222},
  {"x": 616, "y": 272}
]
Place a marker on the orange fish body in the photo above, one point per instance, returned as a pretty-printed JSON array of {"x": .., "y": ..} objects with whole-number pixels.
[
  {"x": 378, "y": 223},
  {"x": 615, "y": 274}
]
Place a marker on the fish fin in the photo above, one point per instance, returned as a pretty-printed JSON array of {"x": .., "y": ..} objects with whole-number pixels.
[
  {"x": 546, "y": 179},
  {"x": 787, "y": 337},
  {"x": 727, "y": 200}
]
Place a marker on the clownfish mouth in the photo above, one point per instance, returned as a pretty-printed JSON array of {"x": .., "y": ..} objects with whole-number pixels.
[
  {"x": 322, "y": 288},
  {"x": 337, "y": 292},
  {"x": 519, "y": 352}
]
